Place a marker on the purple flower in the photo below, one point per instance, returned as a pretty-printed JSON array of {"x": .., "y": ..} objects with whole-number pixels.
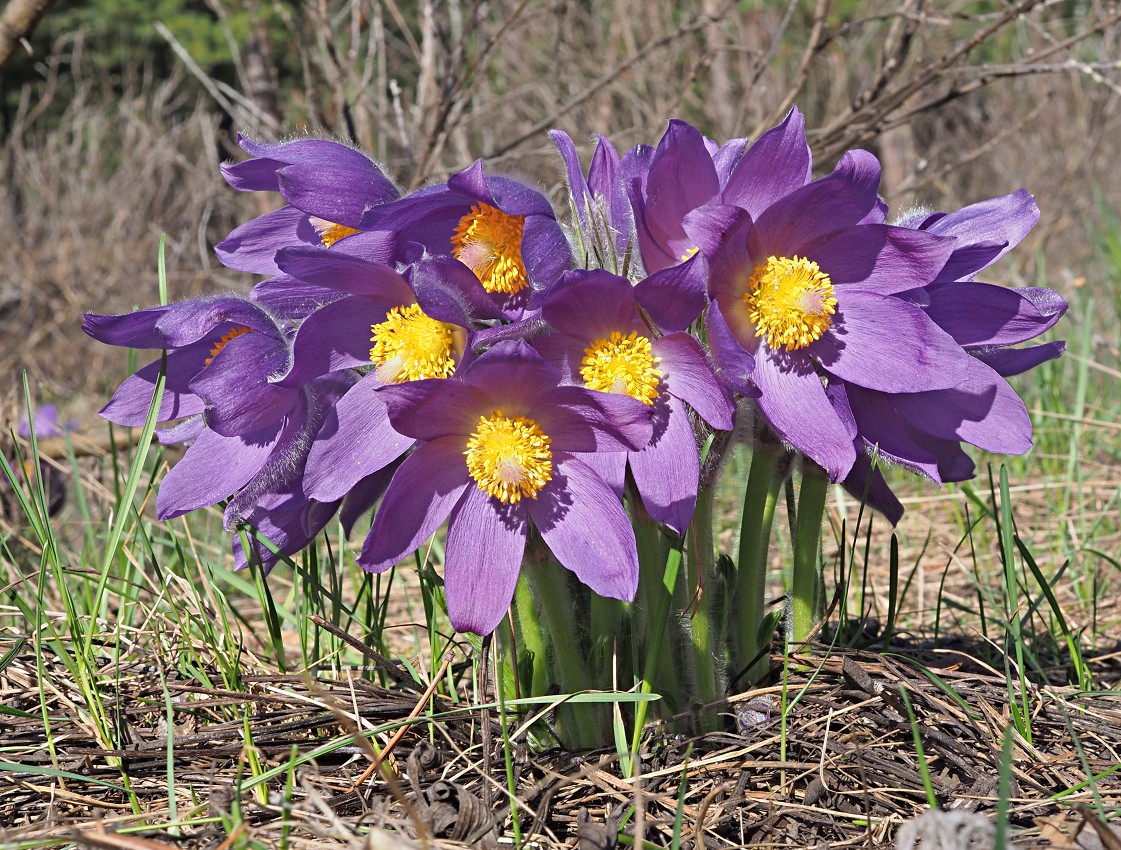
[
  {"x": 497, "y": 451},
  {"x": 604, "y": 222},
  {"x": 603, "y": 344},
  {"x": 408, "y": 327},
  {"x": 686, "y": 195},
  {"x": 500, "y": 228},
  {"x": 328, "y": 186},
  {"x": 237, "y": 390},
  {"x": 923, "y": 431},
  {"x": 803, "y": 296}
]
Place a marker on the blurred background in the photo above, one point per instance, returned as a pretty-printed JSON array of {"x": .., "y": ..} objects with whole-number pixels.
[{"x": 115, "y": 115}]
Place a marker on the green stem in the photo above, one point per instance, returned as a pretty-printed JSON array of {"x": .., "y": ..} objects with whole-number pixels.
[
  {"x": 759, "y": 501},
  {"x": 652, "y": 617},
  {"x": 532, "y": 636},
  {"x": 664, "y": 598},
  {"x": 701, "y": 576},
  {"x": 807, "y": 542},
  {"x": 582, "y": 726}
]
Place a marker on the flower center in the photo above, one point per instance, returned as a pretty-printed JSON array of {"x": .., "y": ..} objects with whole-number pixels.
[
  {"x": 790, "y": 301},
  {"x": 410, "y": 346},
  {"x": 234, "y": 332},
  {"x": 622, "y": 364},
  {"x": 489, "y": 242},
  {"x": 690, "y": 253},
  {"x": 509, "y": 457},
  {"x": 329, "y": 232}
]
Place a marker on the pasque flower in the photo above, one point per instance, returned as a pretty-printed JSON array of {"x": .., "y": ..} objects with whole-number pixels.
[
  {"x": 328, "y": 186},
  {"x": 407, "y": 327},
  {"x": 601, "y": 342},
  {"x": 502, "y": 229},
  {"x": 226, "y": 358},
  {"x": 803, "y": 297},
  {"x": 497, "y": 452},
  {"x": 923, "y": 431}
]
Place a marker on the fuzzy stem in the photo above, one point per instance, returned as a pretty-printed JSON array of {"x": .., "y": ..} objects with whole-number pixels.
[
  {"x": 532, "y": 636},
  {"x": 807, "y": 542},
  {"x": 701, "y": 577},
  {"x": 582, "y": 726},
  {"x": 654, "y": 660},
  {"x": 759, "y": 501}
]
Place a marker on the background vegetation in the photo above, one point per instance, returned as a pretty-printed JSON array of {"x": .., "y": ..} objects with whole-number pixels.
[{"x": 112, "y": 132}]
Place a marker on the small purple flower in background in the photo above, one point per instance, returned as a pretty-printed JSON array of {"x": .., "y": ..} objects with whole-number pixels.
[
  {"x": 497, "y": 451},
  {"x": 46, "y": 426},
  {"x": 805, "y": 291},
  {"x": 328, "y": 187},
  {"x": 603, "y": 344}
]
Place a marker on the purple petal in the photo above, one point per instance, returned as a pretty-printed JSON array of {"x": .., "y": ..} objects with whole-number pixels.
[
  {"x": 450, "y": 292},
  {"x": 338, "y": 194},
  {"x": 289, "y": 298},
  {"x": 235, "y": 387},
  {"x": 980, "y": 314},
  {"x": 736, "y": 366},
  {"x": 885, "y": 344},
  {"x": 578, "y": 193},
  {"x": 351, "y": 275},
  {"x": 434, "y": 408},
  {"x": 589, "y": 305},
  {"x": 587, "y": 529},
  {"x": 689, "y": 377},
  {"x": 882, "y": 259},
  {"x": 583, "y": 420},
  {"x": 668, "y": 469},
  {"x": 364, "y": 495},
  {"x": 355, "y": 441},
  {"x": 212, "y": 469},
  {"x": 983, "y": 410},
  {"x": 483, "y": 557},
  {"x": 796, "y": 223},
  {"x": 869, "y": 486},
  {"x": 334, "y": 337},
  {"x": 610, "y": 466},
  {"x": 420, "y": 496},
  {"x": 129, "y": 404},
  {"x": 1014, "y": 361},
  {"x": 138, "y": 329},
  {"x": 775, "y": 165},
  {"x": 675, "y": 296},
  {"x": 987, "y": 230},
  {"x": 251, "y": 247},
  {"x": 545, "y": 250},
  {"x": 794, "y": 402}
]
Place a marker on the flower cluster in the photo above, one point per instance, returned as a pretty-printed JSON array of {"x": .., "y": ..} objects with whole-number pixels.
[{"x": 455, "y": 355}]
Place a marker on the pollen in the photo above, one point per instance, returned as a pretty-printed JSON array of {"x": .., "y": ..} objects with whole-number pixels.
[
  {"x": 489, "y": 242},
  {"x": 235, "y": 331},
  {"x": 329, "y": 232},
  {"x": 509, "y": 457},
  {"x": 410, "y": 346},
  {"x": 690, "y": 253},
  {"x": 622, "y": 364},
  {"x": 791, "y": 302}
]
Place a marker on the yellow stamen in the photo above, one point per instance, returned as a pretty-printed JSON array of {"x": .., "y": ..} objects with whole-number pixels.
[
  {"x": 236, "y": 331},
  {"x": 622, "y": 364},
  {"x": 690, "y": 253},
  {"x": 489, "y": 242},
  {"x": 329, "y": 232},
  {"x": 410, "y": 346},
  {"x": 509, "y": 457},
  {"x": 790, "y": 301}
]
